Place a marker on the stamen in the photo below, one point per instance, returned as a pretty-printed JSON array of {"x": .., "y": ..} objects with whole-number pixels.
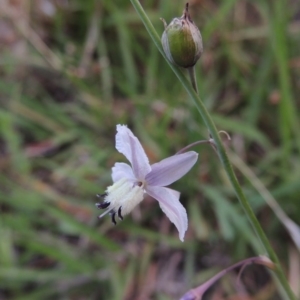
[
  {"x": 102, "y": 205},
  {"x": 120, "y": 213},
  {"x": 113, "y": 218}
]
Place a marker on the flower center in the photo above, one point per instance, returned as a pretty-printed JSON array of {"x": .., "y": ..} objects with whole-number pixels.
[{"x": 121, "y": 198}]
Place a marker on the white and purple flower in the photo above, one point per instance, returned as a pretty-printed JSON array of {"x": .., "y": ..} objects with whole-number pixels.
[{"x": 132, "y": 182}]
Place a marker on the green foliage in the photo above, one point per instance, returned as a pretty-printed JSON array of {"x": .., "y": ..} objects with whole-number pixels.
[{"x": 72, "y": 76}]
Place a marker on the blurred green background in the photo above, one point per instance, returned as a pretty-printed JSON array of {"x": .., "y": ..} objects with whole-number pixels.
[{"x": 69, "y": 72}]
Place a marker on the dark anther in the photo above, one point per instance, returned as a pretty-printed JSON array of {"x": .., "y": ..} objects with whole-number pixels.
[
  {"x": 102, "y": 205},
  {"x": 101, "y": 195},
  {"x": 113, "y": 216},
  {"x": 120, "y": 213}
]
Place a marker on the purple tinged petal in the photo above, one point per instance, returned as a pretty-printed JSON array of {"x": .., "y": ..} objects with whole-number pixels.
[
  {"x": 129, "y": 145},
  {"x": 140, "y": 163},
  {"x": 122, "y": 170},
  {"x": 122, "y": 141},
  {"x": 171, "y": 169},
  {"x": 169, "y": 202}
]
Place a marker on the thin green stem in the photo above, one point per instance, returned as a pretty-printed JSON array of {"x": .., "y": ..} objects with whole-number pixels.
[
  {"x": 221, "y": 152},
  {"x": 192, "y": 75}
]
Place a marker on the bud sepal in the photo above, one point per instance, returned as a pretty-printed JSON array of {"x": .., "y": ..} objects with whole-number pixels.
[{"x": 182, "y": 41}]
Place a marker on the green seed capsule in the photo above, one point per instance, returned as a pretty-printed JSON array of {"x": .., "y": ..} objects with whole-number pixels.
[{"x": 182, "y": 41}]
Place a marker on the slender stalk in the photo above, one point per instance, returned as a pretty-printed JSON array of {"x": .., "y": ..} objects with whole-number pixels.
[
  {"x": 193, "y": 144},
  {"x": 192, "y": 75},
  {"x": 221, "y": 152}
]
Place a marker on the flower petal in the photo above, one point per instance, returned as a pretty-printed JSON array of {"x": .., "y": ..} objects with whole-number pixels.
[
  {"x": 169, "y": 202},
  {"x": 171, "y": 169},
  {"x": 129, "y": 145},
  {"x": 122, "y": 170}
]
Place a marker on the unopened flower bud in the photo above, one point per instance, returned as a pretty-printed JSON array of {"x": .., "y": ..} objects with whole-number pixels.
[{"x": 182, "y": 41}]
